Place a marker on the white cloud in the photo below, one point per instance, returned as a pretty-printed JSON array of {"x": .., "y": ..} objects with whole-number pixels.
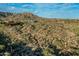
[
  {"x": 12, "y": 7},
  {"x": 36, "y": 11},
  {"x": 28, "y": 5},
  {"x": 24, "y": 5}
]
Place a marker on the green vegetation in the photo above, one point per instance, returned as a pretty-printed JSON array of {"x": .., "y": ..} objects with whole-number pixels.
[{"x": 30, "y": 35}]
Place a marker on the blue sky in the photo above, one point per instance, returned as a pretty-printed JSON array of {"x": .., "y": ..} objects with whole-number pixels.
[{"x": 48, "y": 10}]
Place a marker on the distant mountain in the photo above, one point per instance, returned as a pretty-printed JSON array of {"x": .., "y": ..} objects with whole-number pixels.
[{"x": 5, "y": 14}]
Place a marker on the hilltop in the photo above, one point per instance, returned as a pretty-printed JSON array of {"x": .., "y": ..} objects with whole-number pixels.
[{"x": 28, "y": 34}]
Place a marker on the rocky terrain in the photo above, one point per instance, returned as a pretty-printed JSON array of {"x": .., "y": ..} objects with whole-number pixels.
[{"x": 30, "y": 35}]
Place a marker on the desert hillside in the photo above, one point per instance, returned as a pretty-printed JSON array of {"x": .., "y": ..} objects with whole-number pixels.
[{"x": 29, "y": 35}]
